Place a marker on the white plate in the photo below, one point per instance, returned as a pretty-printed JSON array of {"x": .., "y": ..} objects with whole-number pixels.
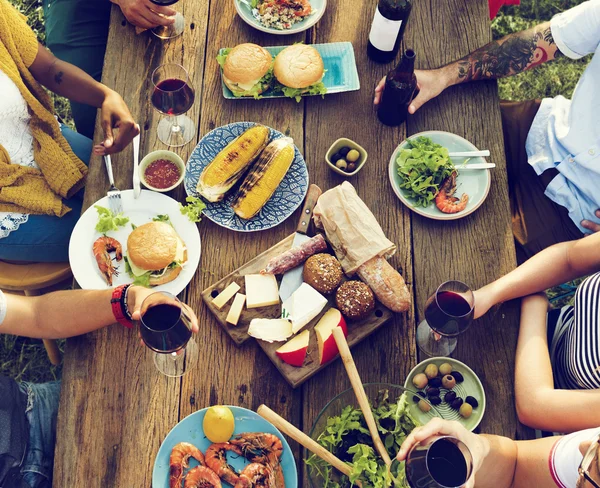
[
  {"x": 474, "y": 183},
  {"x": 140, "y": 211},
  {"x": 247, "y": 16}
]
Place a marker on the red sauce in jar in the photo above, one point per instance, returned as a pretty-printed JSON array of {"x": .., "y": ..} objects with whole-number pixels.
[{"x": 162, "y": 173}]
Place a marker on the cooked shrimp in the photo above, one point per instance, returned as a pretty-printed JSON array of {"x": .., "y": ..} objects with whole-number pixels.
[
  {"x": 302, "y": 7},
  {"x": 216, "y": 459},
  {"x": 180, "y": 455},
  {"x": 102, "y": 246},
  {"x": 259, "y": 447},
  {"x": 445, "y": 201},
  {"x": 254, "y": 475},
  {"x": 202, "y": 477}
]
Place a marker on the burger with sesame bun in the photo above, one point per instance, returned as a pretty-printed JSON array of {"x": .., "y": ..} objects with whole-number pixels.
[
  {"x": 299, "y": 71},
  {"x": 247, "y": 69}
]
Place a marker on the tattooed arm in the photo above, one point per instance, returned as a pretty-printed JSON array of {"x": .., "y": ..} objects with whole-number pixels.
[
  {"x": 508, "y": 56},
  {"x": 69, "y": 81}
]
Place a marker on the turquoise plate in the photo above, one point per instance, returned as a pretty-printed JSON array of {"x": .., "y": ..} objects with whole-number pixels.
[
  {"x": 190, "y": 430},
  {"x": 341, "y": 74},
  {"x": 475, "y": 183},
  {"x": 248, "y": 16}
]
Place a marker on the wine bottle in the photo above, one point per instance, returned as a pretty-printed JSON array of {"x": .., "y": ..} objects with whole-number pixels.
[
  {"x": 387, "y": 29},
  {"x": 400, "y": 86}
]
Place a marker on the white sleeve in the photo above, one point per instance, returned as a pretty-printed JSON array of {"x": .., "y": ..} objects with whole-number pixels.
[
  {"x": 3, "y": 306},
  {"x": 577, "y": 31},
  {"x": 565, "y": 457}
]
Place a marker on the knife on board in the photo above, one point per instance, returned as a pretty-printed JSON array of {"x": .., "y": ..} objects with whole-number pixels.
[
  {"x": 292, "y": 279},
  {"x": 136, "y": 171}
]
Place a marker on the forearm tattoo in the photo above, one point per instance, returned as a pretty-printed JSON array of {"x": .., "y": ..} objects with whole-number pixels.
[{"x": 507, "y": 56}]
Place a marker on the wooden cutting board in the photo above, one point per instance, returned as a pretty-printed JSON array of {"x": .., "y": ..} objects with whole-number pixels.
[{"x": 357, "y": 330}]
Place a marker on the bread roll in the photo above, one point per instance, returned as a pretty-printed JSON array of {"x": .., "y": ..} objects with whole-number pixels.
[
  {"x": 387, "y": 284},
  {"x": 323, "y": 272},
  {"x": 355, "y": 300}
]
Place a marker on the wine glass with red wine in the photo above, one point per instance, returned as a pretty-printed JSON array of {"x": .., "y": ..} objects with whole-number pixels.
[
  {"x": 442, "y": 462},
  {"x": 169, "y": 31},
  {"x": 166, "y": 328},
  {"x": 173, "y": 96},
  {"x": 448, "y": 313}
]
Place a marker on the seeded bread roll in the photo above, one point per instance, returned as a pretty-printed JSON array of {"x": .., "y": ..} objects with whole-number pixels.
[
  {"x": 323, "y": 272},
  {"x": 355, "y": 300}
]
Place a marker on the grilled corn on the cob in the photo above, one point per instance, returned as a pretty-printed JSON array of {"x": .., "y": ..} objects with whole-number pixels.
[
  {"x": 264, "y": 178},
  {"x": 229, "y": 165}
]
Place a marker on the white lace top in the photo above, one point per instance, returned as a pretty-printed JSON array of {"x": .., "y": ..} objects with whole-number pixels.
[{"x": 16, "y": 138}]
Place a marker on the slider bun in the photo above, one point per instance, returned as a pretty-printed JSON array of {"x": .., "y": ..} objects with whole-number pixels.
[
  {"x": 298, "y": 66},
  {"x": 152, "y": 246},
  {"x": 246, "y": 63},
  {"x": 169, "y": 275}
]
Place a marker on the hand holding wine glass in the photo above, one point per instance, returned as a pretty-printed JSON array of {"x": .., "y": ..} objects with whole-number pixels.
[{"x": 146, "y": 14}]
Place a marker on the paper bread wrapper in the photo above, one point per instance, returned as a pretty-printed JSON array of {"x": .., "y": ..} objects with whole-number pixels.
[{"x": 351, "y": 228}]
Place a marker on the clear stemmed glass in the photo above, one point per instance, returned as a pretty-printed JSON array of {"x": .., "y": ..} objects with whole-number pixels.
[
  {"x": 173, "y": 96},
  {"x": 166, "y": 329},
  {"x": 169, "y": 31},
  {"x": 448, "y": 313}
]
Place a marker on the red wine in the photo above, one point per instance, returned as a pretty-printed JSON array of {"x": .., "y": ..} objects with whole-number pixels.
[
  {"x": 400, "y": 86},
  {"x": 164, "y": 3},
  {"x": 173, "y": 97},
  {"x": 448, "y": 313},
  {"x": 446, "y": 463},
  {"x": 164, "y": 328},
  {"x": 387, "y": 29}
]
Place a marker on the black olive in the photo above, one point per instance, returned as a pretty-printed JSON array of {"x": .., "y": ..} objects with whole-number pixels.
[
  {"x": 435, "y": 400},
  {"x": 435, "y": 382},
  {"x": 471, "y": 401},
  {"x": 421, "y": 395},
  {"x": 344, "y": 151},
  {"x": 433, "y": 392},
  {"x": 457, "y": 376},
  {"x": 449, "y": 397},
  {"x": 456, "y": 403}
]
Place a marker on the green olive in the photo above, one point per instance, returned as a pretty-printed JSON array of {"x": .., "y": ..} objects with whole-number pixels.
[
  {"x": 431, "y": 371},
  {"x": 353, "y": 156},
  {"x": 465, "y": 410},
  {"x": 420, "y": 381},
  {"x": 424, "y": 406},
  {"x": 445, "y": 369},
  {"x": 341, "y": 164}
]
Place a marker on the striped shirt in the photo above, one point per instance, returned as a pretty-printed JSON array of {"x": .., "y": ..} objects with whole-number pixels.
[{"x": 575, "y": 348}]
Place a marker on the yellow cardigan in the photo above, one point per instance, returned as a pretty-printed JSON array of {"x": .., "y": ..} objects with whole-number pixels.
[{"x": 61, "y": 173}]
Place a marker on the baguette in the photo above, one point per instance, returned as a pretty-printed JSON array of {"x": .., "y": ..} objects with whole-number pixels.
[{"x": 387, "y": 284}]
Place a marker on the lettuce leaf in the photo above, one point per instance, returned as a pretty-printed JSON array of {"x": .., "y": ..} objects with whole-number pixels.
[
  {"x": 258, "y": 88},
  {"x": 297, "y": 93},
  {"x": 223, "y": 56},
  {"x": 163, "y": 218},
  {"x": 254, "y": 3},
  {"x": 193, "y": 209},
  {"x": 108, "y": 221}
]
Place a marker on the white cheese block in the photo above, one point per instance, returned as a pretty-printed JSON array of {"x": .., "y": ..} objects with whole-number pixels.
[
  {"x": 222, "y": 298},
  {"x": 235, "y": 311},
  {"x": 303, "y": 306},
  {"x": 261, "y": 290},
  {"x": 270, "y": 330}
]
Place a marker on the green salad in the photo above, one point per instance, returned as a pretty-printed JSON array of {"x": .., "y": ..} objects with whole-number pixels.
[
  {"x": 422, "y": 166},
  {"x": 108, "y": 221},
  {"x": 347, "y": 437}
]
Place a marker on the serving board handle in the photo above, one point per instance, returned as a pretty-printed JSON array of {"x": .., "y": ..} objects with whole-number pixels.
[{"x": 313, "y": 194}]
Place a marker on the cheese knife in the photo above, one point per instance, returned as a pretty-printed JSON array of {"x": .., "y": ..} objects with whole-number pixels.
[
  {"x": 292, "y": 279},
  {"x": 136, "y": 160}
]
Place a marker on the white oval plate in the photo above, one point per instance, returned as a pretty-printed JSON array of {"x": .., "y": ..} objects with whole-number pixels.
[
  {"x": 140, "y": 211},
  {"x": 475, "y": 183},
  {"x": 247, "y": 16}
]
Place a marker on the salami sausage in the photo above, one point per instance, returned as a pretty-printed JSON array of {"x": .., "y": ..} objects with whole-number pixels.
[{"x": 295, "y": 256}]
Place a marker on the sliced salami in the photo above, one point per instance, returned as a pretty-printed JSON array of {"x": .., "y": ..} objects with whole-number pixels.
[{"x": 295, "y": 256}]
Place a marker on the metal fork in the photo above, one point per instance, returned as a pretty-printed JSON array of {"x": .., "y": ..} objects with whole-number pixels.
[{"x": 113, "y": 193}]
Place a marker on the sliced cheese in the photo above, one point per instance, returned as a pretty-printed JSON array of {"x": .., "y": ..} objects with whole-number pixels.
[
  {"x": 261, "y": 290},
  {"x": 235, "y": 311},
  {"x": 136, "y": 270},
  {"x": 243, "y": 86},
  {"x": 222, "y": 298},
  {"x": 270, "y": 330},
  {"x": 303, "y": 306}
]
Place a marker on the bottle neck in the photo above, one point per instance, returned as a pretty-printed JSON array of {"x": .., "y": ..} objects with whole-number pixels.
[{"x": 407, "y": 63}]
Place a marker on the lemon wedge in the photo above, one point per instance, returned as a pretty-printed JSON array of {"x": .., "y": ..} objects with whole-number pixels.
[{"x": 218, "y": 424}]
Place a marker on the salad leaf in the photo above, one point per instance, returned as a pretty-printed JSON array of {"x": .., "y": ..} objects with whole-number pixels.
[
  {"x": 108, "y": 221},
  {"x": 297, "y": 93},
  {"x": 193, "y": 209},
  {"x": 143, "y": 280},
  {"x": 223, "y": 56},
  {"x": 422, "y": 167},
  {"x": 162, "y": 218},
  {"x": 254, "y": 3}
]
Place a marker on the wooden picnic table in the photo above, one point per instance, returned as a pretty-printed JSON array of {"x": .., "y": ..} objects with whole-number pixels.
[{"x": 116, "y": 408}]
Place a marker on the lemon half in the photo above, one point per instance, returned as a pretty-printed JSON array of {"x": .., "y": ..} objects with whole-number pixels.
[{"x": 218, "y": 424}]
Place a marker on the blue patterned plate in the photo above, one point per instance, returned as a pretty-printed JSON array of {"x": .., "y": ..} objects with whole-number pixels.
[
  {"x": 287, "y": 197},
  {"x": 190, "y": 430},
  {"x": 341, "y": 74}
]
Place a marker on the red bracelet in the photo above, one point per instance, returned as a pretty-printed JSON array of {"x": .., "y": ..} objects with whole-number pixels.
[{"x": 117, "y": 309}]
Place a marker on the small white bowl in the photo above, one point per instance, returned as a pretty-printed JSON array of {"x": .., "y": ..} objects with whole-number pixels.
[{"x": 161, "y": 154}]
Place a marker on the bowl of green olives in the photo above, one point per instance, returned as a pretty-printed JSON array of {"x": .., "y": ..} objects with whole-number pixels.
[
  {"x": 346, "y": 157},
  {"x": 451, "y": 386}
]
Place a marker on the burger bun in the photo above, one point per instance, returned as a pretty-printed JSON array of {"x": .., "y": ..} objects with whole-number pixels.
[{"x": 299, "y": 66}]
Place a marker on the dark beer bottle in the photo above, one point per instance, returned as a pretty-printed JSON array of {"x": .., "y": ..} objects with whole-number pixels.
[
  {"x": 387, "y": 29},
  {"x": 400, "y": 86}
]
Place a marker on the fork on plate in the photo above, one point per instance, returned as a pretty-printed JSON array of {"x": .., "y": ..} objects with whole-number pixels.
[{"x": 113, "y": 193}]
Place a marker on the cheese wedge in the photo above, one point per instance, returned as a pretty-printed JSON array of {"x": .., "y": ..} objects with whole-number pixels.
[
  {"x": 270, "y": 330},
  {"x": 261, "y": 290},
  {"x": 303, "y": 306},
  {"x": 222, "y": 298},
  {"x": 233, "y": 317}
]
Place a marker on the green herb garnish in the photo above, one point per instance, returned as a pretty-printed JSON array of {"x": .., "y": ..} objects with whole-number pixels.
[
  {"x": 193, "y": 209},
  {"x": 108, "y": 221}
]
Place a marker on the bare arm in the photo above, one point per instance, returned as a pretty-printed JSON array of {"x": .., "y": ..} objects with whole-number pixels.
[
  {"x": 555, "y": 265},
  {"x": 75, "y": 84}
]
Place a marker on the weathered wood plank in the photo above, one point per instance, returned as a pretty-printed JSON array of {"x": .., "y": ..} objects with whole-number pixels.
[{"x": 478, "y": 248}]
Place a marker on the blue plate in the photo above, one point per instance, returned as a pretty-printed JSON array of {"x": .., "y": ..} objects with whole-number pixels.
[
  {"x": 248, "y": 15},
  {"x": 287, "y": 197},
  {"x": 190, "y": 430},
  {"x": 341, "y": 74}
]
